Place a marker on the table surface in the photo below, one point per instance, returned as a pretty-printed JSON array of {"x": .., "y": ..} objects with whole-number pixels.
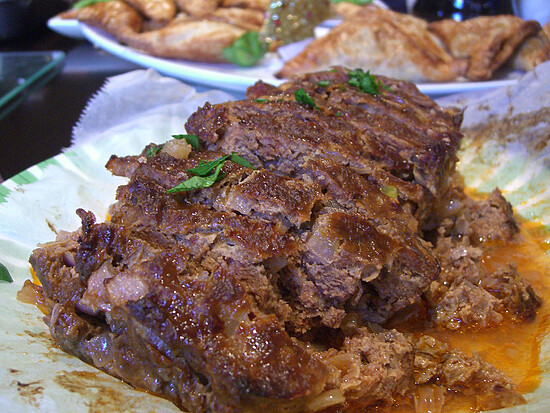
[{"x": 41, "y": 126}]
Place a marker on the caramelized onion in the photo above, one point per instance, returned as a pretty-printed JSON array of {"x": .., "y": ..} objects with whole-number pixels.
[{"x": 326, "y": 399}]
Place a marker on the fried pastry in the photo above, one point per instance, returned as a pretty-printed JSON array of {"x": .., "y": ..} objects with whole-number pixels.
[
  {"x": 191, "y": 39},
  {"x": 486, "y": 41},
  {"x": 247, "y": 4},
  {"x": 198, "y": 7},
  {"x": 381, "y": 41},
  {"x": 158, "y": 10},
  {"x": 115, "y": 17},
  {"x": 248, "y": 19},
  {"x": 532, "y": 52},
  {"x": 344, "y": 9}
]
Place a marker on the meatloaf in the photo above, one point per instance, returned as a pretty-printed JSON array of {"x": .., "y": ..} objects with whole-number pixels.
[{"x": 275, "y": 285}]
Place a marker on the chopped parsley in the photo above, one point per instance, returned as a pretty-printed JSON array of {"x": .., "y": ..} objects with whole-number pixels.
[
  {"x": 365, "y": 82},
  {"x": 301, "y": 96},
  {"x": 205, "y": 174},
  {"x": 246, "y": 50},
  {"x": 5, "y": 274},
  {"x": 323, "y": 83},
  {"x": 338, "y": 114},
  {"x": 261, "y": 100},
  {"x": 192, "y": 140},
  {"x": 154, "y": 149}
]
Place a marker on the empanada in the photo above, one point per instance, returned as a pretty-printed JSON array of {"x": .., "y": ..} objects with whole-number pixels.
[
  {"x": 115, "y": 17},
  {"x": 487, "y": 41},
  {"x": 247, "y": 4},
  {"x": 381, "y": 41},
  {"x": 532, "y": 52},
  {"x": 248, "y": 19},
  {"x": 198, "y": 7},
  {"x": 191, "y": 39},
  {"x": 158, "y": 10}
]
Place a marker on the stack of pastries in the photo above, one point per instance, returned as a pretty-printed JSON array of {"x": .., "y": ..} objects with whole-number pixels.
[{"x": 369, "y": 37}]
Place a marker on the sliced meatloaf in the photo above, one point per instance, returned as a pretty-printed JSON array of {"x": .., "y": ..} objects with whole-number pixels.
[{"x": 271, "y": 286}]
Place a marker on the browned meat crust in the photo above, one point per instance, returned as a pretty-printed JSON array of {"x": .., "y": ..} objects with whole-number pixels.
[{"x": 270, "y": 289}]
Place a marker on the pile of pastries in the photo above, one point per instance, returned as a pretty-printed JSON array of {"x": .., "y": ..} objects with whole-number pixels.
[
  {"x": 196, "y": 30},
  {"x": 370, "y": 37}
]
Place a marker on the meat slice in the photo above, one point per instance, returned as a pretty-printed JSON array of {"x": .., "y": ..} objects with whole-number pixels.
[{"x": 397, "y": 131}]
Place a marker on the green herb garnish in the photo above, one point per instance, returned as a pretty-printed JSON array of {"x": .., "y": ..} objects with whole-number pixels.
[
  {"x": 154, "y": 149},
  {"x": 208, "y": 173},
  {"x": 198, "y": 182},
  {"x": 301, "y": 96},
  {"x": 261, "y": 100},
  {"x": 85, "y": 3},
  {"x": 246, "y": 50},
  {"x": 338, "y": 114},
  {"x": 205, "y": 168},
  {"x": 5, "y": 274},
  {"x": 358, "y": 2},
  {"x": 192, "y": 140},
  {"x": 365, "y": 81},
  {"x": 390, "y": 191},
  {"x": 323, "y": 83},
  {"x": 239, "y": 160}
]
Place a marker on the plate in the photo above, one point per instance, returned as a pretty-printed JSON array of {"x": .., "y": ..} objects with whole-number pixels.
[
  {"x": 66, "y": 27},
  {"x": 234, "y": 78},
  {"x": 35, "y": 376}
]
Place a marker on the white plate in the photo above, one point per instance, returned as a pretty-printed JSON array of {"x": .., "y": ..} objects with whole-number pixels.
[
  {"x": 66, "y": 27},
  {"x": 231, "y": 77}
]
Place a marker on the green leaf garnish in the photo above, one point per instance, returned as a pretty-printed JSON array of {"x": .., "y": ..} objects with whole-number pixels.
[
  {"x": 198, "y": 182},
  {"x": 85, "y": 3},
  {"x": 366, "y": 82},
  {"x": 153, "y": 150},
  {"x": 323, "y": 83},
  {"x": 390, "y": 191},
  {"x": 240, "y": 161},
  {"x": 192, "y": 140},
  {"x": 5, "y": 274},
  {"x": 206, "y": 168},
  {"x": 208, "y": 173},
  {"x": 246, "y": 50},
  {"x": 261, "y": 100},
  {"x": 301, "y": 96},
  {"x": 358, "y": 2},
  {"x": 338, "y": 114}
]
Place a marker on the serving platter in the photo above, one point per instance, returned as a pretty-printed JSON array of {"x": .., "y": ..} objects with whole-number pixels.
[
  {"x": 235, "y": 78},
  {"x": 35, "y": 376}
]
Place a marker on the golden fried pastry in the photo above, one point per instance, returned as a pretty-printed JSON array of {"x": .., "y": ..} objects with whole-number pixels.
[
  {"x": 381, "y": 41},
  {"x": 487, "y": 41},
  {"x": 532, "y": 52},
  {"x": 247, "y": 4},
  {"x": 187, "y": 38},
  {"x": 115, "y": 17},
  {"x": 248, "y": 19},
  {"x": 158, "y": 10},
  {"x": 344, "y": 9},
  {"x": 198, "y": 7}
]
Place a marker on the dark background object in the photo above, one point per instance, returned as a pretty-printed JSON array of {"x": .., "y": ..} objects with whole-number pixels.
[
  {"x": 459, "y": 10},
  {"x": 41, "y": 126},
  {"x": 27, "y": 17}
]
